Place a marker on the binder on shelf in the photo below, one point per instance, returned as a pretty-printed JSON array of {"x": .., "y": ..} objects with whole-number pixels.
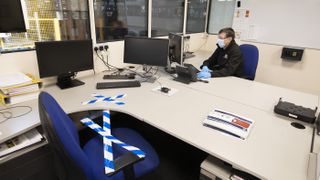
[
  {"x": 22, "y": 92},
  {"x": 9, "y": 100},
  {"x": 13, "y": 79},
  {"x": 34, "y": 81}
]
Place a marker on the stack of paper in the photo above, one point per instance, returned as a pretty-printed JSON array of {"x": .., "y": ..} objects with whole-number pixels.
[
  {"x": 20, "y": 142},
  {"x": 18, "y": 87},
  {"x": 8, "y": 80},
  {"x": 229, "y": 123},
  {"x": 20, "y": 90}
]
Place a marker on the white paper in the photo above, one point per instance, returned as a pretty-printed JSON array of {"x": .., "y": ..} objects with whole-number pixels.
[
  {"x": 8, "y": 80},
  {"x": 238, "y": 126},
  {"x": 4, "y": 35},
  {"x": 23, "y": 98},
  {"x": 20, "y": 142},
  {"x": 241, "y": 23}
]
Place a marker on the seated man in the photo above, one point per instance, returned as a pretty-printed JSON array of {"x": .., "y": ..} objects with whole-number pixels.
[{"x": 227, "y": 59}]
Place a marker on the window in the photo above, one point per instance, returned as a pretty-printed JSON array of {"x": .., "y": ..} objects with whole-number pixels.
[
  {"x": 115, "y": 19},
  {"x": 221, "y": 15},
  {"x": 196, "y": 20},
  {"x": 50, "y": 20},
  {"x": 167, "y": 16}
]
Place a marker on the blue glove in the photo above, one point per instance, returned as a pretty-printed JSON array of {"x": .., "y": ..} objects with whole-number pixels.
[
  {"x": 204, "y": 75},
  {"x": 205, "y": 69}
]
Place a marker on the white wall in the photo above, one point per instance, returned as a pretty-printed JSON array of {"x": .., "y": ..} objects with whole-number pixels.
[{"x": 302, "y": 76}]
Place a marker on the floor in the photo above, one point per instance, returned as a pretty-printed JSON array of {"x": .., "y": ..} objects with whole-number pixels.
[{"x": 178, "y": 160}]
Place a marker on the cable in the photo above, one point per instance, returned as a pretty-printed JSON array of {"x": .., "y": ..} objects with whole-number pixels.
[
  {"x": 110, "y": 67},
  {"x": 152, "y": 75},
  {"x": 5, "y": 111},
  {"x": 6, "y": 117},
  {"x": 157, "y": 80}
]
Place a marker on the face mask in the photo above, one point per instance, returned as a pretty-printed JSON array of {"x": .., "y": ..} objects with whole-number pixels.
[{"x": 220, "y": 43}]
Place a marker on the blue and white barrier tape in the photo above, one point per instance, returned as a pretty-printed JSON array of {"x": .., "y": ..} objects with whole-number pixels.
[
  {"x": 105, "y": 132},
  {"x": 101, "y": 98},
  {"x": 107, "y": 150}
]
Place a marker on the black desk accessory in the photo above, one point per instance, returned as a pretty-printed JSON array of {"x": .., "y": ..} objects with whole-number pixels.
[
  {"x": 291, "y": 53},
  {"x": 165, "y": 89},
  {"x": 186, "y": 73},
  {"x": 296, "y": 112}
]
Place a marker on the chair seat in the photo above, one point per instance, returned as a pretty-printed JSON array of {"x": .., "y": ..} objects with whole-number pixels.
[{"x": 94, "y": 151}]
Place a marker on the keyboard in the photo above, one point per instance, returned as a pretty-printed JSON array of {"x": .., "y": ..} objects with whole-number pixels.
[{"x": 118, "y": 84}]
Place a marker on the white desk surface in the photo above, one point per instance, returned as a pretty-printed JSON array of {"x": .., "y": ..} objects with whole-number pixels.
[
  {"x": 274, "y": 150},
  {"x": 251, "y": 93},
  {"x": 15, "y": 126}
]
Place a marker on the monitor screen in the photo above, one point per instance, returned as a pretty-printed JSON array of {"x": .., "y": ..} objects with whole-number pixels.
[
  {"x": 11, "y": 17},
  {"x": 176, "y": 48},
  {"x": 146, "y": 51},
  {"x": 61, "y": 57}
]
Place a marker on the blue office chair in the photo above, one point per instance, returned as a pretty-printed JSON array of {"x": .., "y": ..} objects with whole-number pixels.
[
  {"x": 87, "y": 162},
  {"x": 251, "y": 57}
]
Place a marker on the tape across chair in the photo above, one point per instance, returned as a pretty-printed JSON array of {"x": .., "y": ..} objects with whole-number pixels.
[{"x": 108, "y": 139}]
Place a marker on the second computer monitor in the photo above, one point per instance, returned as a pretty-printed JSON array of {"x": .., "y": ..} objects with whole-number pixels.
[
  {"x": 64, "y": 59},
  {"x": 146, "y": 51},
  {"x": 176, "y": 42}
]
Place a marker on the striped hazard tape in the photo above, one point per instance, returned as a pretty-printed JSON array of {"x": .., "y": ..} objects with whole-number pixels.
[
  {"x": 108, "y": 139},
  {"x": 100, "y": 98}
]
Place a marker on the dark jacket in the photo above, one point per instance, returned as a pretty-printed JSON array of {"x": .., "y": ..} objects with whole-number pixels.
[{"x": 226, "y": 62}]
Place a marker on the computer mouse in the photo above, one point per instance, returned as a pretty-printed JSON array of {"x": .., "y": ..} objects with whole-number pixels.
[{"x": 165, "y": 89}]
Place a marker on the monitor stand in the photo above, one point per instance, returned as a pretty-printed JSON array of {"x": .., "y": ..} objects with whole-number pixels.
[
  {"x": 66, "y": 81},
  {"x": 170, "y": 69}
]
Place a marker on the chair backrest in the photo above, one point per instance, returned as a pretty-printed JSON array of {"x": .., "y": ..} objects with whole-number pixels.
[
  {"x": 63, "y": 139},
  {"x": 251, "y": 57}
]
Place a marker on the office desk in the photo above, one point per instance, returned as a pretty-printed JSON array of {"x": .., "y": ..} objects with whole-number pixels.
[
  {"x": 256, "y": 94},
  {"x": 274, "y": 149},
  {"x": 15, "y": 126},
  {"x": 269, "y": 152}
]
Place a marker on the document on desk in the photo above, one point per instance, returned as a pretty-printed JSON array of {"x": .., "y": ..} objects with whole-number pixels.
[
  {"x": 27, "y": 139},
  {"x": 13, "y": 79},
  {"x": 229, "y": 123}
]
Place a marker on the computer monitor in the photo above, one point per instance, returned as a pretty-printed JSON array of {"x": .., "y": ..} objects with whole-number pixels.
[
  {"x": 146, "y": 51},
  {"x": 176, "y": 48},
  {"x": 11, "y": 17},
  {"x": 64, "y": 59}
]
